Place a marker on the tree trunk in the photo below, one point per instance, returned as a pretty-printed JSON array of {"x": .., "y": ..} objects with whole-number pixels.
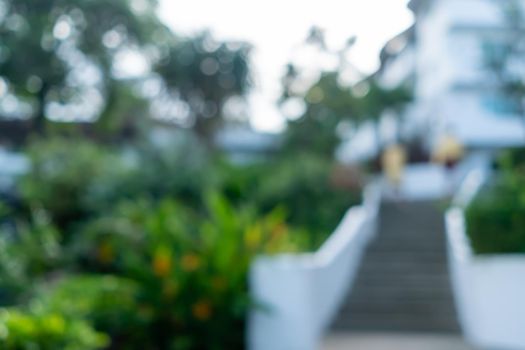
[
  {"x": 39, "y": 122},
  {"x": 205, "y": 131}
]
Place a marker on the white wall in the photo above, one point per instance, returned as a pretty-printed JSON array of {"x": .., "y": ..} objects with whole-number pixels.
[
  {"x": 432, "y": 56},
  {"x": 466, "y": 115},
  {"x": 488, "y": 290},
  {"x": 466, "y": 58},
  {"x": 301, "y": 293}
]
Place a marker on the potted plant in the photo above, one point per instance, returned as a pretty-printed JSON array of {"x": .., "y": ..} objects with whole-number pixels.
[{"x": 486, "y": 239}]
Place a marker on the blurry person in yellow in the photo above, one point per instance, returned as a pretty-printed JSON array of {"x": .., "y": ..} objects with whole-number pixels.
[
  {"x": 393, "y": 162},
  {"x": 448, "y": 151}
]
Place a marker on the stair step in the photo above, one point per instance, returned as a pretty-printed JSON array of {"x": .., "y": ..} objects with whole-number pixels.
[
  {"x": 410, "y": 280},
  {"x": 362, "y": 292},
  {"x": 405, "y": 305},
  {"x": 389, "y": 267},
  {"x": 403, "y": 282},
  {"x": 399, "y": 322}
]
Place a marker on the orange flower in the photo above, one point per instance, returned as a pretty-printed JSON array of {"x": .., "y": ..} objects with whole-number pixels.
[
  {"x": 162, "y": 262},
  {"x": 105, "y": 253},
  {"x": 190, "y": 262},
  {"x": 202, "y": 310}
]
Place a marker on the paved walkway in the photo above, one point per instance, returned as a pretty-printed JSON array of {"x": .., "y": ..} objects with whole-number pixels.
[{"x": 393, "y": 341}]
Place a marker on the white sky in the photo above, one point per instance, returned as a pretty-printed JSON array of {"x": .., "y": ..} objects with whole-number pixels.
[{"x": 278, "y": 28}]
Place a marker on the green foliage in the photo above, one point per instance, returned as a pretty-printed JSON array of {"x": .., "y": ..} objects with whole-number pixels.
[
  {"x": 379, "y": 99},
  {"x": 28, "y": 330},
  {"x": 495, "y": 219},
  {"x": 157, "y": 275},
  {"x": 512, "y": 161},
  {"x": 149, "y": 248},
  {"x": 71, "y": 179},
  {"x": 181, "y": 168},
  {"x": 26, "y": 255},
  {"x": 107, "y": 302},
  {"x": 303, "y": 187},
  {"x": 205, "y": 74},
  {"x": 74, "y": 180},
  {"x": 190, "y": 271},
  {"x": 47, "y": 50},
  {"x": 44, "y": 44},
  {"x": 329, "y": 102}
]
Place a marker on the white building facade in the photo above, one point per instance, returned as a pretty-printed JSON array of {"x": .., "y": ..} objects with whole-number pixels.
[{"x": 444, "y": 58}]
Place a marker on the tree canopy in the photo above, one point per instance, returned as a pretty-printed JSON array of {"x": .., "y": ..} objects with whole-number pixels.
[
  {"x": 330, "y": 103},
  {"x": 63, "y": 60}
]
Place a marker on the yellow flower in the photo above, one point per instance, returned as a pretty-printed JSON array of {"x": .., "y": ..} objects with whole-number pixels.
[
  {"x": 105, "y": 253},
  {"x": 202, "y": 310},
  {"x": 162, "y": 262},
  {"x": 190, "y": 262}
]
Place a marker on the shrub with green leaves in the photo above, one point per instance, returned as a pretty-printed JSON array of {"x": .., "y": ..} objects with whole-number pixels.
[
  {"x": 71, "y": 179},
  {"x": 496, "y": 217},
  {"x": 180, "y": 167},
  {"x": 190, "y": 270},
  {"x": 301, "y": 186},
  {"x": 28, "y": 252},
  {"x": 152, "y": 246},
  {"x": 29, "y": 330},
  {"x": 496, "y": 221},
  {"x": 75, "y": 180},
  {"x": 150, "y": 275}
]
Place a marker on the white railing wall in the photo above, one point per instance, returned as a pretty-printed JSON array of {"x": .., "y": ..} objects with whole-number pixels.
[
  {"x": 488, "y": 288},
  {"x": 299, "y": 294}
]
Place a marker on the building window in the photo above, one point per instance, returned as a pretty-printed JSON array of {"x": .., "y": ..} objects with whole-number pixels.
[
  {"x": 495, "y": 54},
  {"x": 501, "y": 104}
]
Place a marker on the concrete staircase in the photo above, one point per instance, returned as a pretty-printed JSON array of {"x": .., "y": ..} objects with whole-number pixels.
[{"x": 403, "y": 283}]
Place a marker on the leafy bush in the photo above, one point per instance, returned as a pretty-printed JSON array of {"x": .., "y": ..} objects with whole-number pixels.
[
  {"x": 28, "y": 252},
  {"x": 496, "y": 218},
  {"x": 152, "y": 246},
  {"x": 28, "y": 330},
  {"x": 496, "y": 221},
  {"x": 179, "y": 167},
  {"x": 75, "y": 180},
  {"x": 190, "y": 271},
  {"x": 70, "y": 179},
  {"x": 302, "y": 186},
  {"x": 148, "y": 275}
]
